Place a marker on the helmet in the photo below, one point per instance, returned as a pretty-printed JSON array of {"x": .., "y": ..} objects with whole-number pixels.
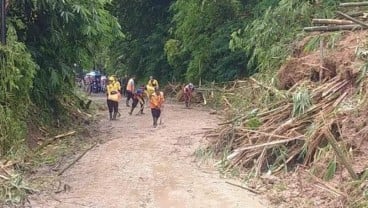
[
  {"x": 191, "y": 85},
  {"x": 111, "y": 78}
]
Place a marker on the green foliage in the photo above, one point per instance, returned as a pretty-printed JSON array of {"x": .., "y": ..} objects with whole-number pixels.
[
  {"x": 16, "y": 80},
  {"x": 141, "y": 53},
  {"x": 254, "y": 123},
  {"x": 267, "y": 38},
  {"x": 13, "y": 189},
  {"x": 329, "y": 40},
  {"x": 331, "y": 170},
  {"x": 201, "y": 29},
  {"x": 301, "y": 102}
]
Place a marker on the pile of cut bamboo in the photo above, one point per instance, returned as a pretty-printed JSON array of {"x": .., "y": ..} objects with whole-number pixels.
[
  {"x": 278, "y": 131},
  {"x": 352, "y": 21}
]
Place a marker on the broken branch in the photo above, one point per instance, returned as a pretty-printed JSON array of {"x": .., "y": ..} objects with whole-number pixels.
[{"x": 76, "y": 159}]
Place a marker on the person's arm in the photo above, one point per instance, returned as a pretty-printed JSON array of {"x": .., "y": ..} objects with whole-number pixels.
[{"x": 108, "y": 90}]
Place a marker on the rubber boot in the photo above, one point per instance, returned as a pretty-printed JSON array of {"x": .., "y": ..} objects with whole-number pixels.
[
  {"x": 155, "y": 122},
  {"x": 114, "y": 116},
  {"x": 127, "y": 103},
  {"x": 110, "y": 115}
]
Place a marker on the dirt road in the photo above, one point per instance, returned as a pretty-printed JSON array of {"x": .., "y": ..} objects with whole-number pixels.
[{"x": 142, "y": 166}]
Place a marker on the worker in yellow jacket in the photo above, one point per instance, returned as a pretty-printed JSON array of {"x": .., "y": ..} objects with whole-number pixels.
[
  {"x": 156, "y": 103},
  {"x": 113, "y": 97}
]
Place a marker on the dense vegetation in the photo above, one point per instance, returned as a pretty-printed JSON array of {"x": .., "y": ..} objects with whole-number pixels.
[
  {"x": 182, "y": 40},
  {"x": 49, "y": 41}
]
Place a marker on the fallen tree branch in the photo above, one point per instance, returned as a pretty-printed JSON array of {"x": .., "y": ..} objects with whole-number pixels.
[
  {"x": 76, "y": 159},
  {"x": 243, "y": 187}
]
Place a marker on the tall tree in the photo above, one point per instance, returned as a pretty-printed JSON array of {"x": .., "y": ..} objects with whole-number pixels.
[{"x": 142, "y": 52}]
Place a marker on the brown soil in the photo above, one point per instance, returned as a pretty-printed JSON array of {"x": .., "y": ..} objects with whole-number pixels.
[
  {"x": 140, "y": 166},
  {"x": 310, "y": 67}
]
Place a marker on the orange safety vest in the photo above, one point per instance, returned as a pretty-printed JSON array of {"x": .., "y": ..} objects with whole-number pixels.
[{"x": 156, "y": 101}]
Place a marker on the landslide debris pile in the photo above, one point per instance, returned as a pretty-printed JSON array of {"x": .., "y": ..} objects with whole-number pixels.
[{"x": 320, "y": 114}]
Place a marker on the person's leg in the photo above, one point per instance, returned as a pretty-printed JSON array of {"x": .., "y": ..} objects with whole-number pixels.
[
  {"x": 189, "y": 99},
  {"x": 116, "y": 109},
  {"x": 155, "y": 114},
  {"x": 186, "y": 99},
  {"x": 134, "y": 104},
  {"x": 109, "y": 105},
  {"x": 129, "y": 95},
  {"x": 141, "y": 102}
]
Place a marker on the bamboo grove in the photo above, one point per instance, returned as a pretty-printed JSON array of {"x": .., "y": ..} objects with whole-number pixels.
[{"x": 49, "y": 41}]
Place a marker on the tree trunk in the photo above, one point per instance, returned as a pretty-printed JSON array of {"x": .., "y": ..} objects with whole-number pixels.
[
  {"x": 352, "y": 4},
  {"x": 332, "y": 21},
  {"x": 333, "y": 28}
]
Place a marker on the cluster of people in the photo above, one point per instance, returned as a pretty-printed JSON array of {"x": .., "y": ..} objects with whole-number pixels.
[
  {"x": 116, "y": 89},
  {"x": 150, "y": 93}
]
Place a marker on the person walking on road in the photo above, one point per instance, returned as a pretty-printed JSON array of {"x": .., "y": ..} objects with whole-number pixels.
[
  {"x": 138, "y": 97},
  {"x": 156, "y": 103},
  {"x": 150, "y": 87},
  {"x": 188, "y": 91},
  {"x": 113, "y": 97},
  {"x": 124, "y": 83},
  {"x": 130, "y": 90}
]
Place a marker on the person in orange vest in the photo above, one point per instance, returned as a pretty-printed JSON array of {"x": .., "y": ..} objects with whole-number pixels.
[
  {"x": 113, "y": 97},
  {"x": 156, "y": 103},
  {"x": 130, "y": 90}
]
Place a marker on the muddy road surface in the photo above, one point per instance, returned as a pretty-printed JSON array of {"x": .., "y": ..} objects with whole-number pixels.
[{"x": 141, "y": 166}]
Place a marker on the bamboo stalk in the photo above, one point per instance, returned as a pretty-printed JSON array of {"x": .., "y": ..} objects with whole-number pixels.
[
  {"x": 267, "y": 134},
  {"x": 353, "y": 4},
  {"x": 363, "y": 24},
  {"x": 332, "y": 28},
  {"x": 270, "y": 143},
  {"x": 330, "y": 137},
  {"x": 332, "y": 21}
]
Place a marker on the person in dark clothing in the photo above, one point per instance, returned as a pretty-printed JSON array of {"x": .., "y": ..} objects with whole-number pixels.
[
  {"x": 138, "y": 97},
  {"x": 124, "y": 83}
]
